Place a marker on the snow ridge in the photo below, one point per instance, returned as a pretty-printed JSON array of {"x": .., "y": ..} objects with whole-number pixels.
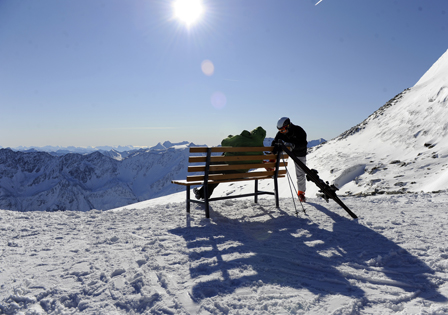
[
  {"x": 401, "y": 148},
  {"x": 377, "y": 114}
]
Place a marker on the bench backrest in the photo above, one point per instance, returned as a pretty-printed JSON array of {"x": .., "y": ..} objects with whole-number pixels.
[{"x": 221, "y": 161}]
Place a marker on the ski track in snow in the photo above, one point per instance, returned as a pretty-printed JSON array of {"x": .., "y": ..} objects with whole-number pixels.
[{"x": 247, "y": 259}]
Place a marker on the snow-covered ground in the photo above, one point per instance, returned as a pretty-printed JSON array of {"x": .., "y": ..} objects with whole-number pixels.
[{"x": 247, "y": 259}]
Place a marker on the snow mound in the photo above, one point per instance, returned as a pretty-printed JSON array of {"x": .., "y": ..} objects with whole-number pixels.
[{"x": 349, "y": 174}]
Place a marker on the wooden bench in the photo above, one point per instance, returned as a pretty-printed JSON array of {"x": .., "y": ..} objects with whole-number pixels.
[{"x": 214, "y": 168}]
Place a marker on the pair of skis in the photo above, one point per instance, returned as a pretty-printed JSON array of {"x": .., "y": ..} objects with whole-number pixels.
[{"x": 329, "y": 192}]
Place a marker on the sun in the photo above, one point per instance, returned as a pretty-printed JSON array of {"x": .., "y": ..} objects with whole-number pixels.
[{"x": 188, "y": 11}]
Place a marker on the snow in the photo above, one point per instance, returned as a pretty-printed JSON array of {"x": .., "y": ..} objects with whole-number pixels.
[
  {"x": 247, "y": 259},
  {"x": 349, "y": 174}
]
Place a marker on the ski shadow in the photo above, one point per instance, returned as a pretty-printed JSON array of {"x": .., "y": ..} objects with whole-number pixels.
[
  {"x": 285, "y": 250},
  {"x": 371, "y": 250}
]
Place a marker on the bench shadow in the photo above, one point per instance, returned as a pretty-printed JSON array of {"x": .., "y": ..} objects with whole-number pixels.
[{"x": 296, "y": 252}]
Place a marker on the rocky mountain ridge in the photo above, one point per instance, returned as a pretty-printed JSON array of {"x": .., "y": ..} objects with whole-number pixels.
[
  {"x": 41, "y": 181},
  {"x": 401, "y": 148}
]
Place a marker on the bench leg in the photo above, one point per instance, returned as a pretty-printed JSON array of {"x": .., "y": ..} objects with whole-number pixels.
[
  {"x": 277, "y": 205},
  {"x": 188, "y": 199},
  {"x": 256, "y": 191},
  {"x": 207, "y": 208}
]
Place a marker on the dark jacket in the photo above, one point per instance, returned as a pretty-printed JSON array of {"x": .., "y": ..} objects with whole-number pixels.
[{"x": 295, "y": 136}]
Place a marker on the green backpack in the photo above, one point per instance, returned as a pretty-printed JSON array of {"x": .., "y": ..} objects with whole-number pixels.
[{"x": 255, "y": 138}]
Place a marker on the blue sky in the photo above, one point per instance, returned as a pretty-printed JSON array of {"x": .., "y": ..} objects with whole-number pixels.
[{"x": 116, "y": 72}]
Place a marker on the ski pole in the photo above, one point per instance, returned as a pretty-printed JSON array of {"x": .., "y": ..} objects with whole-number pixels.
[{"x": 290, "y": 181}]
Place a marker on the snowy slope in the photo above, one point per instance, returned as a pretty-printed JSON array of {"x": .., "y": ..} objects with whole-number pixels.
[
  {"x": 247, "y": 259},
  {"x": 402, "y": 147}
]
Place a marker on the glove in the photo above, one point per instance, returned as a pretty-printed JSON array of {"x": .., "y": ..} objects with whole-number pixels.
[
  {"x": 269, "y": 168},
  {"x": 276, "y": 148}
]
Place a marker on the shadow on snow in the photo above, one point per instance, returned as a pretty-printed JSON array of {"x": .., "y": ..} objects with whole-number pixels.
[{"x": 298, "y": 253}]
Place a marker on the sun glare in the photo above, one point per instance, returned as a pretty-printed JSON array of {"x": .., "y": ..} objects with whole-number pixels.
[{"x": 188, "y": 11}]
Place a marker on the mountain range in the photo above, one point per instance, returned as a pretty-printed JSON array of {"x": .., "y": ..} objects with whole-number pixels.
[
  {"x": 98, "y": 180},
  {"x": 401, "y": 148},
  {"x": 64, "y": 178}
]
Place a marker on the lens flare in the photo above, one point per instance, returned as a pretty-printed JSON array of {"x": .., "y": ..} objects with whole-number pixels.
[
  {"x": 207, "y": 67},
  {"x": 218, "y": 100}
]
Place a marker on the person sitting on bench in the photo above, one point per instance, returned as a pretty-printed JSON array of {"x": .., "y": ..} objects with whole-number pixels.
[{"x": 255, "y": 138}]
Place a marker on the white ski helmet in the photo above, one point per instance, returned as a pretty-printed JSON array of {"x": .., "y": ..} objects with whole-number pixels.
[{"x": 282, "y": 122}]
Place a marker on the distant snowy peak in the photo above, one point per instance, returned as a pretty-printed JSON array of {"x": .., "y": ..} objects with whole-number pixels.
[
  {"x": 314, "y": 143},
  {"x": 116, "y": 152},
  {"x": 122, "y": 152},
  {"x": 167, "y": 145},
  {"x": 159, "y": 146},
  {"x": 436, "y": 72},
  {"x": 58, "y": 150}
]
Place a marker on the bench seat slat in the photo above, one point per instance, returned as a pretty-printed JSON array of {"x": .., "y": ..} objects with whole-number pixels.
[
  {"x": 200, "y": 183},
  {"x": 232, "y": 167},
  {"x": 245, "y": 178},
  {"x": 217, "y": 177},
  {"x": 221, "y": 158}
]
